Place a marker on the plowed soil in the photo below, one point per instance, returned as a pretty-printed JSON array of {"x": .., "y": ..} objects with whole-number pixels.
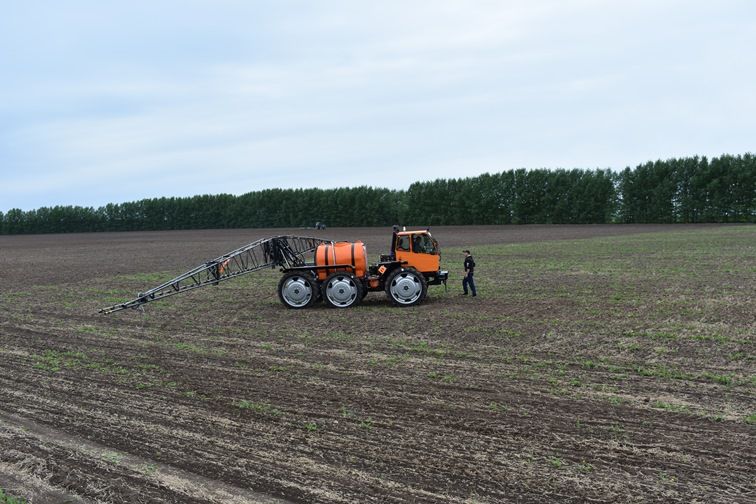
[{"x": 598, "y": 364}]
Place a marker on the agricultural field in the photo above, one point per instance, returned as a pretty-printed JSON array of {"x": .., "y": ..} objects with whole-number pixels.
[{"x": 597, "y": 364}]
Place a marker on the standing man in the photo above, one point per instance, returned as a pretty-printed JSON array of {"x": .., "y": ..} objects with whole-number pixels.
[{"x": 469, "y": 270}]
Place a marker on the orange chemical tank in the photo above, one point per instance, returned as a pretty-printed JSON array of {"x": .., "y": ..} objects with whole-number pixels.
[{"x": 352, "y": 253}]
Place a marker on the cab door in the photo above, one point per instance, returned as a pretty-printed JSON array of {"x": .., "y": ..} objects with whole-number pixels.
[{"x": 419, "y": 250}]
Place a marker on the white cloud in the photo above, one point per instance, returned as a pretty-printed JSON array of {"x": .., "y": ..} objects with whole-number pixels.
[{"x": 234, "y": 97}]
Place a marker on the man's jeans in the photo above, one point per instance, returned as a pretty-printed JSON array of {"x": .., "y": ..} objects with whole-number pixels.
[{"x": 468, "y": 280}]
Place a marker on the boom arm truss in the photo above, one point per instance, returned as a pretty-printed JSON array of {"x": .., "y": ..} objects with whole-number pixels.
[{"x": 284, "y": 251}]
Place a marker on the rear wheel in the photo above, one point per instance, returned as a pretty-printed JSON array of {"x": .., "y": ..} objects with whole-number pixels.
[
  {"x": 406, "y": 287},
  {"x": 297, "y": 290},
  {"x": 341, "y": 290}
]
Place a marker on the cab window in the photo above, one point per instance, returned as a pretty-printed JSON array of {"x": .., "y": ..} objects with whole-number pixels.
[
  {"x": 403, "y": 243},
  {"x": 423, "y": 244}
]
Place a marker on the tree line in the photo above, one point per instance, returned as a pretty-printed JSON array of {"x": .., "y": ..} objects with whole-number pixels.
[{"x": 685, "y": 190}]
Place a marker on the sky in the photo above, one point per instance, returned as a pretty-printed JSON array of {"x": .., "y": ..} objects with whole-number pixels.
[{"x": 117, "y": 101}]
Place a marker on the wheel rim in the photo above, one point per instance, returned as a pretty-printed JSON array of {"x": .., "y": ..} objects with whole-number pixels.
[
  {"x": 341, "y": 291},
  {"x": 406, "y": 287},
  {"x": 297, "y": 291}
]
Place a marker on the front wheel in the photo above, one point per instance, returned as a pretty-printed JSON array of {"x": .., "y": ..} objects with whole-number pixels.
[
  {"x": 297, "y": 290},
  {"x": 342, "y": 290},
  {"x": 406, "y": 287}
]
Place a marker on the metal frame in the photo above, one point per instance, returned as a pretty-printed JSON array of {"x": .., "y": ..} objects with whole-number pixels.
[{"x": 287, "y": 252}]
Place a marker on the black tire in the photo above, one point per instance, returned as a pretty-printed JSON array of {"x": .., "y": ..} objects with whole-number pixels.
[
  {"x": 341, "y": 290},
  {"x": 297, "y": 290},
  {"x": 406, "y": 287},
  {"x": 318, "y": 291},
  {"x": 364, "y": 288}
]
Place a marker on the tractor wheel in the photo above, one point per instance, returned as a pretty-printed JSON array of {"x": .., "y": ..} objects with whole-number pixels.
[
  {"x": 341, "y": 290},
  {"x": 406, "y": 287},
  {"x": 297, "y": 290}
]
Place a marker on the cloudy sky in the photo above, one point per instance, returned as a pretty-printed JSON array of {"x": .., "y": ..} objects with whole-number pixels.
[{"x": 116, "y": 101}]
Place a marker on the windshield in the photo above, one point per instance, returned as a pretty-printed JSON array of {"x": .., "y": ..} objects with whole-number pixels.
[{"x": 423, "y": 244}]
